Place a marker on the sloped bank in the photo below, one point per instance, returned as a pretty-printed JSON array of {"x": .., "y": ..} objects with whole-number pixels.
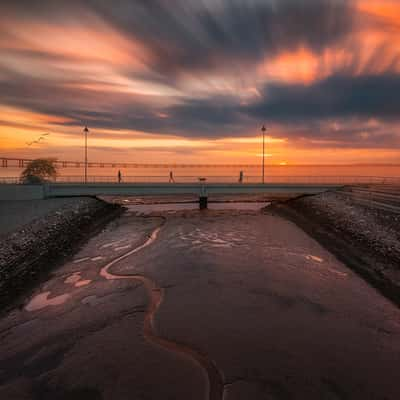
[
  {"x": 366, "y": 239},
  {"x": 32, "y": 250}
]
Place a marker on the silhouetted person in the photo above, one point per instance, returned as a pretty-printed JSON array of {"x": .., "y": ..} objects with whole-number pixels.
[
  {"x": 241, "y": 177},
  {"x": 119, "y": 176},
  {"x": 171, "y": 177}
]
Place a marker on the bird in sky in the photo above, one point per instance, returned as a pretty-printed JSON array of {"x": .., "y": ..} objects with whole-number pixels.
[{"x": 39, "y": 139}]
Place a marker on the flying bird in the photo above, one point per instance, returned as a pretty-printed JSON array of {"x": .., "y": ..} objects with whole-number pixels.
[{"x": 40, "y": 138}]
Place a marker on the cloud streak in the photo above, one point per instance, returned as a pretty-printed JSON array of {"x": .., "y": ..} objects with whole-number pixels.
[{"x": 317, "y": 70}]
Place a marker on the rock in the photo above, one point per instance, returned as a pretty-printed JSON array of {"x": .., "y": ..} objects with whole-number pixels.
[{"x": 36, "y": 247}]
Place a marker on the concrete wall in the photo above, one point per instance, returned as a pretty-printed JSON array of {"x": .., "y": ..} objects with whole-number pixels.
[
  {"x": 21, "y": 192},
  {"x": 138, "y": 189},
  {"x": 36, "y": 192}
]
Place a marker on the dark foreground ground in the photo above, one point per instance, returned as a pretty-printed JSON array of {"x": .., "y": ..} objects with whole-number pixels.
[{"x": 211, "y": 305}]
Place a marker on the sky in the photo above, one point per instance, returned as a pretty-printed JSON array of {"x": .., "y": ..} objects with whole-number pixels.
[{"x": 194, "y": 80}]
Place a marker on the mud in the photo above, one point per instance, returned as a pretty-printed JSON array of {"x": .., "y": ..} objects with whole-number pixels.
[
  {"x": 241, "y": 305},
  {"x": 359, "y": 236}
]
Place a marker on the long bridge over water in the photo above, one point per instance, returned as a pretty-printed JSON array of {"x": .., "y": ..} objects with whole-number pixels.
[{"x": 7, "y": 162}]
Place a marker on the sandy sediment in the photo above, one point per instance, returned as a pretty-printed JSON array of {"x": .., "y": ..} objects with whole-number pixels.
[
  {"x": 366, "y": 239},
  {"x": 35, "y": 247}
]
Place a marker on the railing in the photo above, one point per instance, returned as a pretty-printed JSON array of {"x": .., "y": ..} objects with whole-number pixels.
[
  {"x": 9, "y": 180},
  {"x": 329, "y": 179}
]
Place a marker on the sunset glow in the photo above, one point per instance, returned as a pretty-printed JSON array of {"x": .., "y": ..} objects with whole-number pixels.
[{"x": 193, "y": 81}]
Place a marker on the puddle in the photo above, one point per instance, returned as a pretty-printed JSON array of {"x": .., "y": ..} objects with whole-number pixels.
[
  {"x": 111, "y": 244},
  {"x": 325, "y": 269},
  {"x": 42, "y": 300},
  {"x": 314, "y": 258},
  {"x": 250, "y": 206},
  {"x": 81, "y": 260},
  {"x": 199, "y": 238},
  {"x": 72, "y": 279},
  {"x": 321, "y": 269},
  {"x": 149, "y": 208},
  {"x": 76, "y": 280},
  {"x": 128, "y": 246},
  {"x": 171, "y": 208},
  {"x": 83, "y": 283}
]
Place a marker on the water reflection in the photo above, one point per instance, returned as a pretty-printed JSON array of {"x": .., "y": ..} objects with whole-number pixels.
[
  {"x": 314, "y": 258},
  {"x": 76, "y": 280},
  {"x": 173, "y": 207},
  {"x": 42, "y": 300},
  {"x": 83, "y": 283}
]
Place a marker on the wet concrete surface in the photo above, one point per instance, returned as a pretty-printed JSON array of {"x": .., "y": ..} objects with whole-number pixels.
[{"x": 276, "y": 315}]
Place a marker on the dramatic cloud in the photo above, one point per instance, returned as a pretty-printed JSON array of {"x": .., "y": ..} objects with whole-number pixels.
[
  {"x": 319, "y": 72},
  {"x": 191, "y": 36},
  {"x": 335, "y": 97}
]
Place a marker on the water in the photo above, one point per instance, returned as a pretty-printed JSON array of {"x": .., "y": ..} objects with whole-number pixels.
[
  {"x": 42, "y": 300},
  {"x": 174, "y": 207}
]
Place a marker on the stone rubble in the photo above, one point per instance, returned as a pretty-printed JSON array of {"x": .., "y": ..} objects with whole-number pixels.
[{"x": 34, "y": 248}]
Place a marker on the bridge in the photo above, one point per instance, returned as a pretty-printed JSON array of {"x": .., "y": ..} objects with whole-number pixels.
[
  {"x": 140, "y": 185},
  {"x": 7, "y": 162},
  {"x": 200, "y": 189}
]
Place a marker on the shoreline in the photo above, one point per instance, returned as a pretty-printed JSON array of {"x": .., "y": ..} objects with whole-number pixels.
[
  {"x": 33, "y": 250},
  {"x": 359, "y": 251}
]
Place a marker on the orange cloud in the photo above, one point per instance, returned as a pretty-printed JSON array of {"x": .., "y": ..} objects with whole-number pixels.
[
  {"x": 89, "y": 41},
  {"x": 12, "y": 115},
  {"x": 387, "y": 9},
  {"x": 300, "y": 66}
]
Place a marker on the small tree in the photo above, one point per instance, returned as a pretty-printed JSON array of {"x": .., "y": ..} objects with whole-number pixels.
[{"x": 39, "y": 171}]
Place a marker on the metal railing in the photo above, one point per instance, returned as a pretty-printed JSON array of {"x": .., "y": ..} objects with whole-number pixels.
[{"x": 327, "y": 179}]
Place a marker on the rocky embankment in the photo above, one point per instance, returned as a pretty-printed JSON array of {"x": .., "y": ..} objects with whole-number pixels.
[
  {"x": 33, "y": 249},
  {"x": 365, "y": 238}
]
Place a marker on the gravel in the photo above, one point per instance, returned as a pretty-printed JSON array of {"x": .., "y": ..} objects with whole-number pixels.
[
  {"x": 15, "y": 214},
  {"x": 31, "y": 250},
  {"x": 376, "y": 228}
]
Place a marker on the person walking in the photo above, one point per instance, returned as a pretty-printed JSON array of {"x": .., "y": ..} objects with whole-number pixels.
[
  {"x": 171, "y": 177},
  {"x": 119, "y": 176},
  {"x": 241, "y": 177}
]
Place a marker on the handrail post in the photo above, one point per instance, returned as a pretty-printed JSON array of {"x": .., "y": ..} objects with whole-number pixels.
[
  {"x": 46, "y": 190},
  {"x": 203, "y": 199}
]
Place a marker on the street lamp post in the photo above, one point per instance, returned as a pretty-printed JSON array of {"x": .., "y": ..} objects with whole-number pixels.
[
  {"x": 263, "y": 157},
  {"x": 86, "y": 131}
]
